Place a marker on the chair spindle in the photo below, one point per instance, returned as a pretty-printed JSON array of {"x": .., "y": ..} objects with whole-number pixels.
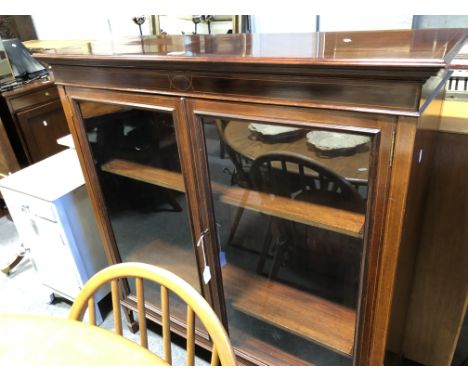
[
  {"x": 116, "y": 306},
  {"x": 190, "y": 336},
  {"x": 302, "y": 177},
  {"x": 141, "y": 312},
  {"x": 92, "y": 311},
  {"x": 214, "y": 357},
  {"x": 169, "y": 282},
  {"x": 166, "y": 324}
]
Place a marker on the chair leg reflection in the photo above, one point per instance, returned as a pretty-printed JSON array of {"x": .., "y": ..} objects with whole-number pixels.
[
  {"x": 235, "y": 224},
  {"x": 265, "y": 247}
]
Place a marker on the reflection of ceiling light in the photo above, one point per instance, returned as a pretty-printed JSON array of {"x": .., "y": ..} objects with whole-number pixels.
[{"x": 347, "y": 39}]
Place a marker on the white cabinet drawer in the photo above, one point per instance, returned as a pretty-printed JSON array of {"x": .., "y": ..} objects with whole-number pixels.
[{"x": 37, "y": 208}]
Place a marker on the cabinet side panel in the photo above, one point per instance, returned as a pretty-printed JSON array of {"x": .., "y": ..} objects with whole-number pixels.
[
  {"x": 400, "y": 172},
  {"x": 438, "y": 301},
  {"x": 422, "y": 161}
]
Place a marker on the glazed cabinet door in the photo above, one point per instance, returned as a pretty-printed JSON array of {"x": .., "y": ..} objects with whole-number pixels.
[
  {"x": 292, "y": 198},
  {"x": 132, "y": 150}
]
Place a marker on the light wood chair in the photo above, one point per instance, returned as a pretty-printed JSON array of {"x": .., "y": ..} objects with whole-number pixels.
[{"x": 196, "y": 305}]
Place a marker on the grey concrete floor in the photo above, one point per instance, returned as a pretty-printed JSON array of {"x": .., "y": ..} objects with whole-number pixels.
[{"x": 23, "y": 293}]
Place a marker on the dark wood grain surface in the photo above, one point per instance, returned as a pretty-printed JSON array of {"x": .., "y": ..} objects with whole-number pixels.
[
  {"x": 439, "y": 298},
  {"x": 28, "y": 88},
  {"x": 423, "y": 157},
  {"x": 329, "y": 218},
  {"x": 388, "y": 48},
  {"x": 325, "y": 70},
  {"x": 41, "y": 127},
  {"x": 24, "y": 110},
  {"x": 329, "y": 324}
]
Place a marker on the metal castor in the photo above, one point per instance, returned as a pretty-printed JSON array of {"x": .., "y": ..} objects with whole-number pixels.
[{"x": 52, "y": 299}]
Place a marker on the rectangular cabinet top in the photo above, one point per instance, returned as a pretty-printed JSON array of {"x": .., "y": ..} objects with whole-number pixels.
[{"x": 433, "y": 48}]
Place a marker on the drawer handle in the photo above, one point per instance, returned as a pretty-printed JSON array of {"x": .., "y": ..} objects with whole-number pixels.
[
  {"x": 44, "y": 123},
  {"x": 46, "y": 94}
]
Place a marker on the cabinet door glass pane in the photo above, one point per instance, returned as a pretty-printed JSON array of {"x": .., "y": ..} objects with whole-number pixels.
[
  {"x": 136, "y": 159},
  {"x": 290, "y": 209}
]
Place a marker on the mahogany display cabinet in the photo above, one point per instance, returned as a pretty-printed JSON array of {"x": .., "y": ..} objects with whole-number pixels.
[{"x": 275, "y": 173}]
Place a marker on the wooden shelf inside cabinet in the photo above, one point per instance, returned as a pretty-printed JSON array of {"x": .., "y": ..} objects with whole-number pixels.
[
  {"x": 326, "y": 323},
  {"x": 270, "y": 354},
  {"x": 321, "y": 321},
  {"x": 148, "y": 174},
  {"x": 332, "y": 219}
]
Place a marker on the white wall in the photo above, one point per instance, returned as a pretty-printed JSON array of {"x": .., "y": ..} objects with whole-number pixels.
[
  {"x": 296, "y": 23},
  {"x": 441, "y": 21},
  {"x": 124, "y": 26},
  {"x": 364, "y": 22},
  {"x": 303, "y": 23},
  {"x": 92, "y": 27},
  {"x": 99, "y": 27}
]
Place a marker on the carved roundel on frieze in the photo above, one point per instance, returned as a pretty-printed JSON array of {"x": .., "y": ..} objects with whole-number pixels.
[{"x": 180, "y": 81}]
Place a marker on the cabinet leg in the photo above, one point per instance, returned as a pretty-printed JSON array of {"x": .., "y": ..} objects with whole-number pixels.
[
  {"x": 132, "y": 324},
  {"x": 7, "y": 268},
  {"x": 124, "y": 291}
]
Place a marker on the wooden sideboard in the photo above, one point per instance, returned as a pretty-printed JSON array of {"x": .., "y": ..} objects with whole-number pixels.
[
  {"x": 34, "y": 117},
  {"x": 299, "y": 261}
]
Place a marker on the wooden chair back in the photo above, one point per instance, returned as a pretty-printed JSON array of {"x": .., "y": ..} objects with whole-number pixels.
[
  {"x": 196, "y": 306},
  {"x": 296, "y": 176}
]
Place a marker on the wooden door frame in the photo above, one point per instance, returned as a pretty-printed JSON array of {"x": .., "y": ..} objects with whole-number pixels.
[
  {"x": 70, "y": 97},
  {"x": 383, "y": 129}
]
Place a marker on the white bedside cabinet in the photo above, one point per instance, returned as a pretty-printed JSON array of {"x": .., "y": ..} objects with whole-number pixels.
[{"x": 49, "y": 205}]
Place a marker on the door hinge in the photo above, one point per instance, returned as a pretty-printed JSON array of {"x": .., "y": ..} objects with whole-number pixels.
[{"x": 392, "y": 148}]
